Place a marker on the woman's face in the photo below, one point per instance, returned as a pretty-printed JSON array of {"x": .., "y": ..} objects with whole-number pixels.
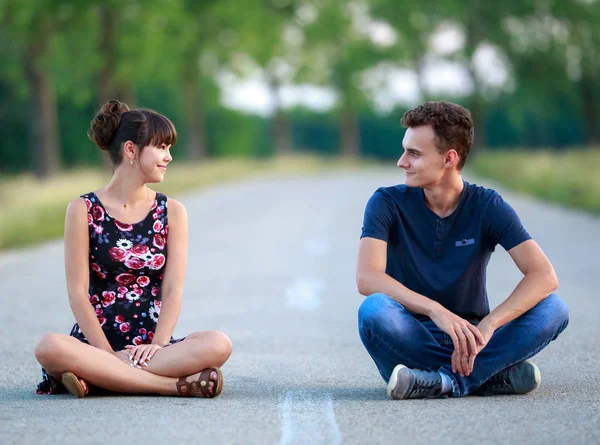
[{"x": 153, "y": 162}]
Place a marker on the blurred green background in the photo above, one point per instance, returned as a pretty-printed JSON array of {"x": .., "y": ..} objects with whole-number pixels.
[{"x": 269, "y": 78}]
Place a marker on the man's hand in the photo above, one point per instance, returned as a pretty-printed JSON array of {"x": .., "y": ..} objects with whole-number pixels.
[
  {"x": 467, "y": 364},
  {"x": 140, "y": 355},
  {"x": 486, "y": 331},
  {"x": 465, "y": 336}
]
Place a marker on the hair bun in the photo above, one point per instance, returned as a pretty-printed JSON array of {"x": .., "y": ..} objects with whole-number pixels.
[{"x": 105, "y": 124}]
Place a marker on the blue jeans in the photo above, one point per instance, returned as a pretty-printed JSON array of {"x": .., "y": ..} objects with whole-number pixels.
[{"x": 392, "y": 335}]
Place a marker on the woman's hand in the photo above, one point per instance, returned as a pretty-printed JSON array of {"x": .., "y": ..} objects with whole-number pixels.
[
  {"x": 141, "y": 354},
  {"x": 122, "y": 355}
]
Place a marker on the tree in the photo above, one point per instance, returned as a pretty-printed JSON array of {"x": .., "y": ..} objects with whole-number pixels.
[
  {"x": 112, "y": 75},
  {"x": 32, "y": 26},
  {"x": 182, "y": 55},
  {"x": 580, "y": 50},
  {"x": 270, "y": 35},
  {"x": 552, "y": 47},
  {"x": 340, "y": 51},
  {"x": 482, "y": 23}
]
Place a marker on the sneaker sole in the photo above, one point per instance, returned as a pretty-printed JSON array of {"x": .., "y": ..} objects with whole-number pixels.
[{"x": 393, "y": 380}]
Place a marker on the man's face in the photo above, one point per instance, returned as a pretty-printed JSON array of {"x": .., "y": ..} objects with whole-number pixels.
[{"x": 421, "y": 160}]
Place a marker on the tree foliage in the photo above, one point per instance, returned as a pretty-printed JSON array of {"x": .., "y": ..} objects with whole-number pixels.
[{"x": 60, "y": 59}]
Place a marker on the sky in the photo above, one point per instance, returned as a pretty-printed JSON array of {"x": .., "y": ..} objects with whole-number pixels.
[{"x": 388, "y": 85}]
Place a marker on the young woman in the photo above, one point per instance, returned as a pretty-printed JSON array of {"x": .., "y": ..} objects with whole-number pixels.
[{"x": 124, "y": 289}]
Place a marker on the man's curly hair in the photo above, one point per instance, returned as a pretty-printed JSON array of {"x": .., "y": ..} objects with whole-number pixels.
[{"x": 452, "y": 126}]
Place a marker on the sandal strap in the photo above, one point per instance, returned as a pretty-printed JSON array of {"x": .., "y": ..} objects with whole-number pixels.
[
  {"x": 185, "y": 388},
  {"x": 205, "y": 376}
]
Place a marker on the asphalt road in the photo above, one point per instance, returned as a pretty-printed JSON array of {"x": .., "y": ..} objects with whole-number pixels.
[{"x": 271, "y": 263}]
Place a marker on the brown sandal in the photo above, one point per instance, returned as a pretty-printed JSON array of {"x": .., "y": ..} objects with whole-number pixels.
[
  {"x": 74, "y": 385},
  {"x": 199, "y": 387}
]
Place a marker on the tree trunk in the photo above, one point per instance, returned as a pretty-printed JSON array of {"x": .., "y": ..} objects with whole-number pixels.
[
  {"x": 478, "y": 116},
  {"x": 419, "y": 67},
  {"x": 44, "y": 134},
  {"x": 126, "y": 94},
  {"x": 473, "y": 38},
  {"x": 281, "y": 131},
  {"x": 107, "y": 49},
  {"x": 196, "y": 130},
  {"x": 589, "y": 110},
  {"x": 108, "y": 86},
  {"x": 350, "y": 134}
]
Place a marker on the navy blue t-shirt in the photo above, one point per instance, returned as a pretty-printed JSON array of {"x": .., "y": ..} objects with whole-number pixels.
[{"x": 444, "y": 259}]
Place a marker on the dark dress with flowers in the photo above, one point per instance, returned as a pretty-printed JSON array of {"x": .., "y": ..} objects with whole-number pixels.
[{"x": 126, "y": 271}]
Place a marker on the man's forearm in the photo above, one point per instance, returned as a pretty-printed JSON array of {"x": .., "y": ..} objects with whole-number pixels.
[
  {"x": 532, "y": 289},
  {"x": 380, "y": 282}
]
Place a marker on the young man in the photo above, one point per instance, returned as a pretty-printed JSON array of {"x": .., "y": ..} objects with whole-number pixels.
[{"x": 422, "y": 261}]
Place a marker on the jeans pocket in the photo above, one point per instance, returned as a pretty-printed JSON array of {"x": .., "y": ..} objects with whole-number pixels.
[
  {"x": 443, "y": 339},
  {"x": 447, "y": 340}
]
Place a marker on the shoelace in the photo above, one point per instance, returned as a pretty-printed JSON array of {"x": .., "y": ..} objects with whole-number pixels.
[
  {"x": 499, "y": 382},
  {"x": 425, "y": 386}
]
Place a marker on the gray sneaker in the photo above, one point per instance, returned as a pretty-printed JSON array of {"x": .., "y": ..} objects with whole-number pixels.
[
  {"x": 521, "y": 378},
  {"x": 408, "y": 383}
]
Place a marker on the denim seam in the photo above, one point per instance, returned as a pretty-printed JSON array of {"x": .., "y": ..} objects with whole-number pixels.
[
  {"x": 524, "y": 357},
  {"x": 453, "y": 382},
  {"x": 389, "y": 347}
]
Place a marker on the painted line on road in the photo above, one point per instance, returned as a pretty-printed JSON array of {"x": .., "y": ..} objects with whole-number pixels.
[
  {"x": 308, "y": 418},
  {"x": 303, "y": 295}
]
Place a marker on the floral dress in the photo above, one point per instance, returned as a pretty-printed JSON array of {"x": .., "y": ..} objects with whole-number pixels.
[{"x": 126, "y": 271}]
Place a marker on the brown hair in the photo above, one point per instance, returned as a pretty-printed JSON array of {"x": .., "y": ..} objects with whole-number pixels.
[
  {"x": 116, "y": 124},
  {"x": 452, "y": 125}
]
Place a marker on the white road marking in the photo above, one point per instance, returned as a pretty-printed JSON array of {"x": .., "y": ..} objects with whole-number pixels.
[
  {"x": 308, "y": 418},
  {"x": 303, "y": 295}
]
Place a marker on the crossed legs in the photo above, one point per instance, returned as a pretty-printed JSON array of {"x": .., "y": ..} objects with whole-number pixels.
[
  {"x": 392, "y": 335},
  {"x": 59, "y": 353}
]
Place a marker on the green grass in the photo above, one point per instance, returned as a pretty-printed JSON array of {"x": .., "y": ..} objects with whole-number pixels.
[
  {"x": 32, "y": 211},
  {"x": 569, "y": 178}
]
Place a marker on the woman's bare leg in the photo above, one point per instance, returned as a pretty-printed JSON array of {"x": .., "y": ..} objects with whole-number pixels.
[
  {"x": 198, "y": 351},
  {"x": 59, "y": 353}
]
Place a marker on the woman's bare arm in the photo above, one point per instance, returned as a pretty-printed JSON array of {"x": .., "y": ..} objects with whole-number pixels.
[
  {"x": 172, "y": 285},
  {"x": 77, "y": 269}
]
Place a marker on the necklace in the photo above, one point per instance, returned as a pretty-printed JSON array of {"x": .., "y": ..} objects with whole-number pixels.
[{"x": 125, "y": 205}]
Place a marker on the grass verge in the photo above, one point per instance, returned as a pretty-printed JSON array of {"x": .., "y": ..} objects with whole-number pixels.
[
  {"x": 32, "y": 211},
  {"x": 569, "y": 178}
]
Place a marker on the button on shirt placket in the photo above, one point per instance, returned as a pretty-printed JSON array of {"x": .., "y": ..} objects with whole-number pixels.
[{"x": 437, "y": 254}]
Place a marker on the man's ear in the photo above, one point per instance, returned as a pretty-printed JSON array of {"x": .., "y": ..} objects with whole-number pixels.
[{"x": 452, "y": 158}]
